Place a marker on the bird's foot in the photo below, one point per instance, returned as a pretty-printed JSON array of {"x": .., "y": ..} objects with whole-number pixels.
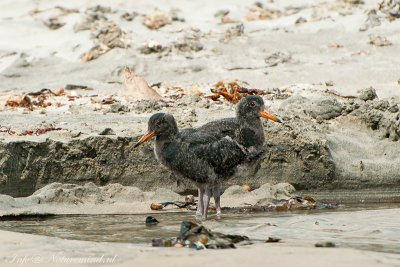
[{"x": 218, "y": 215}]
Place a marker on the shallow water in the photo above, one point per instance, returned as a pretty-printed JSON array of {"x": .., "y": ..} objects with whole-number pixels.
[{"x": 370, "y": 227}]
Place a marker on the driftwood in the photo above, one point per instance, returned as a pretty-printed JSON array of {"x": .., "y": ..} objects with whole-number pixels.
[{"x": 137, "y": 87}]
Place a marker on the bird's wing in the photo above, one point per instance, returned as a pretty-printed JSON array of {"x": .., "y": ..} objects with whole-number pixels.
[
  {"x": 179, "y": 157},
  {"x": 221, "y": 128},
  {"x": 195, "y": 137},
  {"x": 223, "y": 154}
]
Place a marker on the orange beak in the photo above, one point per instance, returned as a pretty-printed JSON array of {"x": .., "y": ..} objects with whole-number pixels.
[
  {"x": 270, "y": 116},
  {"x": 145, "y": 138}
]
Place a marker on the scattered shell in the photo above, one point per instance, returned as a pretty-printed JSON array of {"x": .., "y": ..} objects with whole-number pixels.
[
  {"x": 152, "y": 47},
  {"x": 203, "y": 239},
  {"x": 157, "y": 20},
  {"x": 156, "y": 206},
  {"x": 379, "y": 41},
  {"x": 189, "y": 199},
  {"x": 259, "y": 12},
  {"x": 391, "y": 8},
  {"x": 310, "y": 199},
  {"x": 335, "y": 45},
  {"x": 246, "y": 187},
  {"x": 197, "y": 91},
  {"x": 107, "y": 35},
  {"x": 129, "y": 16}
]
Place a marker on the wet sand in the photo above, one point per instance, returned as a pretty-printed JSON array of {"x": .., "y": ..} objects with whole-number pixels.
[{"x": 52, "y": 251}]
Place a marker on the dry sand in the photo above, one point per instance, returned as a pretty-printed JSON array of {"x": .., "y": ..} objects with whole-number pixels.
[{"x": 24, "y": 249}]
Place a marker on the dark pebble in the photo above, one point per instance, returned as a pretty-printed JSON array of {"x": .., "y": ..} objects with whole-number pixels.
[
  {"x": 150, "y": 220},
  {"x": 326, "y": 244}
]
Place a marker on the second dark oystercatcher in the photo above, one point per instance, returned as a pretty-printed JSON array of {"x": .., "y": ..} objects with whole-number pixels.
[
  {"x": 203, "y": 158},
  {"x": 246, "y": 128}
]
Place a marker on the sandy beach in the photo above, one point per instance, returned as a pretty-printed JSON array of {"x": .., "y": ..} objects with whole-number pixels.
[
  {"x": 44, "y": 251},
  {"x": 70, "y": 116}
]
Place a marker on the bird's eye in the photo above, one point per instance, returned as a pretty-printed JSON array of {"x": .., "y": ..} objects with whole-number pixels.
[{"x": 252, "y": 104}]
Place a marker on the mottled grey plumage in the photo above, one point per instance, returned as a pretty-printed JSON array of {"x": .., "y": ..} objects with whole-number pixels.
[
  {"x": 203, "y": 158},
  {"x": 246, "y": 128}
]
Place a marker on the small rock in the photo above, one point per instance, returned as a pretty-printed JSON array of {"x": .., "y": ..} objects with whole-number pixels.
[
  {"x": 117, "y": 107},
  {"x": 235, "y": 31},
  {"x": 272, "y": 240},
  {"x": 157, "y": 20},
  {"x": 129, "y": 16},
  {"x": 107, "y": 131},
  {"x": 373, "y": 20},
  {"x": 379, "y": 41},
  {"x": 300, "y": 20},
  {"x": 277, "y": 58},
  {"x": 368, "y": 94},
  {"x": 76, "y": 86},
  {"x": 75, "y": 134},
  {"x": 150, "y": 220},
  {"x": 329, "y": 83},
  {"x": 325, "y": 244},
  {"x": 324, "y": 109},
  {"x": 161, "y": 242},
  {"x": 53, "y": 23},
  {"x": 394, "y": 108},
  {"x": 152, "y": 47},
  {"x": 221, "y": 13}
]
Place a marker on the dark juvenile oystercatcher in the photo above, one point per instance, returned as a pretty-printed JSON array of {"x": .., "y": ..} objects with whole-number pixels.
[
  {"x": 246, "y": 128},
  {"x": 204, "y": 158}
]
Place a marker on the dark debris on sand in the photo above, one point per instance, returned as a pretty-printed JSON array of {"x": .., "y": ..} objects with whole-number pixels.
[{"x": 197, "y": 236}]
